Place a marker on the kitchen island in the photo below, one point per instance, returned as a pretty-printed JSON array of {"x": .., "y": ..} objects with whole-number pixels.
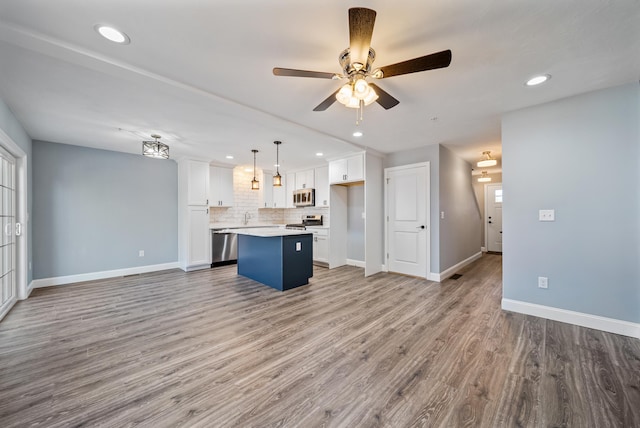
[{"x": 279, "y": 258}]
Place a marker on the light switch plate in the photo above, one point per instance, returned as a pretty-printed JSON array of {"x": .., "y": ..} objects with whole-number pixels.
[
  {"x": 298, "y": 246},
  {"x": 547, "y": 215}
]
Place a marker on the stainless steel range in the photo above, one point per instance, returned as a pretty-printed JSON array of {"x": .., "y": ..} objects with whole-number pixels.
[{"x": 307, "y": 220}]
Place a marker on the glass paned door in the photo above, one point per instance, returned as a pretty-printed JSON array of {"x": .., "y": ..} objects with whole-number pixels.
[{"x": 7, "y": 240}]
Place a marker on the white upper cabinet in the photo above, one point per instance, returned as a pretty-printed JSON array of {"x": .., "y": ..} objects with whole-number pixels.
[
  {"x": 305, "y": 179},
  {"x": 220, "y": 187},
  {"x": 272, "y": 196},
  {"x": 322, "y": 186},
  {"x": 290, "y": 186},
  {"x": 197, "y": 183},
  {"x": 347, "y": 170}
]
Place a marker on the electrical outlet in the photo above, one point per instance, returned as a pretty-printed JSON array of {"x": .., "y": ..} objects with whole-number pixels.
[
  {"x": 141, "y": 253},
  {"x": 441, "y": 214},
  {"x": 543, "y": 282},
  {"x": 298, "y": 246},
  {"x": 547, "y": 215}
]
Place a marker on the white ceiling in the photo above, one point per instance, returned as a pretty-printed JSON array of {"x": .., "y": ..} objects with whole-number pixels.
[{"x": 199, "y": 72}]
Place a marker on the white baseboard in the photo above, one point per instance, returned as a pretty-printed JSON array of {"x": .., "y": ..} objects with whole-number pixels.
[
  {"x": 597, "y": 322},
  {"x": 69, "y": 279},
  {"x": 439, "y": 277},
  {"x": 356, "y": 263},
  {"x": 483, "y": 249}
]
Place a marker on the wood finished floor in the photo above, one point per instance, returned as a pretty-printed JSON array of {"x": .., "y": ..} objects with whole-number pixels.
[{"x": 211, "y": 349}]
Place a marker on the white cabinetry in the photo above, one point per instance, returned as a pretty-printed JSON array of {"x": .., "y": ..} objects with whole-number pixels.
[
  {"x": 322, "y": 186},
  {"x": 305, "y": 179},
  {"x": 272, "y": 196},
  {"x": 320, "y": 245},
  {"x": 197, "y": 178},
  {"x": 347, "y": 170},
  {"x": 220, "y": 187},
  {"x": 194, "y": 247},
  {"x": 290, "y": 186},
  {"x": 199, "y": 249}
]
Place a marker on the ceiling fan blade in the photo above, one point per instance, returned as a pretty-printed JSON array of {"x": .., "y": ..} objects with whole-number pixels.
[
  {"x": 384, "y": 99},
  {"x": 302, "y": 73},
  {"x": 423, "y": 63},
  {"x": 327, "y": 103},
  {"x": 361, "y": 22}
]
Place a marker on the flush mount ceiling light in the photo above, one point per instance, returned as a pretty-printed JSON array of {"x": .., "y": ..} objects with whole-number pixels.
[
  {"x": 358, "y": 134},
  {"x": 319, "y": 154},
  {"x": 255, "y": 184},
  {"x": 537, "y": 80},
  {"x": 229, "y": 157},
  {"x": 277, "y": 179},
  {"x": 112, "y": 34},
  {"x": 487, "y": 161},
  {"x": 484, "y": 178},
  {"x": 155, "y": 149}
]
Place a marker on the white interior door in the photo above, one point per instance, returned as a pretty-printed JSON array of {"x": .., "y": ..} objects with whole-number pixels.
[
  {"x": 494, "y": 217},
  {"x": 7, "y": 241},
  {"x": 407, "y": 220}
]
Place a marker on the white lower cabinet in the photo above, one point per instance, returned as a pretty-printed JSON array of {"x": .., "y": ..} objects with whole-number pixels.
[
  {"x": 198, "y": 246},
  {"x": 320, "y": 245}
]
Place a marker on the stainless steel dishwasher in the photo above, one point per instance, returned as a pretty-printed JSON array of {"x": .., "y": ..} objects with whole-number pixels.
[{"x": 224, "y": 247}]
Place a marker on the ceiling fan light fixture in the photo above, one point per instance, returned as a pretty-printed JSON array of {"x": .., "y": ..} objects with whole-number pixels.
[
  {"x": 370, "y": 97},
  {"x": 361, "y": 88},
  {"x": 353, "y": 102},
  {"x": 344, "y": 94},
  {"x": 487, "y": 161}
]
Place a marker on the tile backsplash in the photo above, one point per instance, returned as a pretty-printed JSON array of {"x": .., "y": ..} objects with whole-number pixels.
[{"x": 248, "y": 201}]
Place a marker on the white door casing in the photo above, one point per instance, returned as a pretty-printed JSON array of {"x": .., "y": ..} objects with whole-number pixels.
[
  {"x": 493, "y": 217},
  {"x": 9, "y": 229},
  {"x": 407, "y": 211}
]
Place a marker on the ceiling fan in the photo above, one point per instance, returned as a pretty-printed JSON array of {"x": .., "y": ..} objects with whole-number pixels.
[{"x": 356, "y": 62}]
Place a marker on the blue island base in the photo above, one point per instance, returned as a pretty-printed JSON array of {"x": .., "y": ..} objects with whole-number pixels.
[{"x": 281, "y": 262}]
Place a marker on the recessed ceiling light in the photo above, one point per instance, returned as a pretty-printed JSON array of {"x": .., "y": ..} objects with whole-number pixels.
[
  {"x": 357, "y": 134},
  {"x": 229, "y": 157},
  {"x": 536, "y": 80},
  {"x": 112, "y": 34},
  {"x": 319, "y": 154}
]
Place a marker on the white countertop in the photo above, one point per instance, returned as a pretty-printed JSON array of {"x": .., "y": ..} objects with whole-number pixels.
[
  {"x": 240, "y": 225},
  {"x": 266, "y": 232}
]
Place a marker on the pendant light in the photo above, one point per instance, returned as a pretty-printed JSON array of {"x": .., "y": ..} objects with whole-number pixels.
[
  {"x": 487, "y": 161},
  {"x": 484, "y": 178},
  {"x": 277, "y": 179},
  {"x": 255, "y": 184},
  {"x": 155, "y": 149}
]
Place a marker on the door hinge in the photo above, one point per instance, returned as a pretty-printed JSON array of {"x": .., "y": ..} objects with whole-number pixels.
[
  {"x": 388, "y": 180},
  {"x": 387, "y": 255}
]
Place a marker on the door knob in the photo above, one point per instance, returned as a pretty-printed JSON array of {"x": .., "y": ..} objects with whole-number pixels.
[
  {"x": 420, "y": 227},
  {"x": 490, "y": 222}
]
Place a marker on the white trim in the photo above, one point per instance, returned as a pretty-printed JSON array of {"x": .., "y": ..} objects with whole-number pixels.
[
  {"x": 439, "y": 277},
  {"x": 483, "y": 249},
  {"x": 69, "y": 279},
  {"x": 356, "y": 263},
  {"x": 427, "y": 165},
  {"x": 597, "y": 322}
]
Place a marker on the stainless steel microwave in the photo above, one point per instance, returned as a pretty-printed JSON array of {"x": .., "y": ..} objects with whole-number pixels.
[{"x": 304, "y": 198}]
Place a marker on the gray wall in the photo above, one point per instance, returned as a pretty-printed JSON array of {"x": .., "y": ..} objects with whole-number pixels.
[
  {"x": 460, "y": 234},
  {"x": 10, "y": 125},
  {"x": 94, "y": 209},
  {"x": 429, "y": 154},
  {"x": 355, "y": 223},
  {"x": 579, "y": 156}
]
